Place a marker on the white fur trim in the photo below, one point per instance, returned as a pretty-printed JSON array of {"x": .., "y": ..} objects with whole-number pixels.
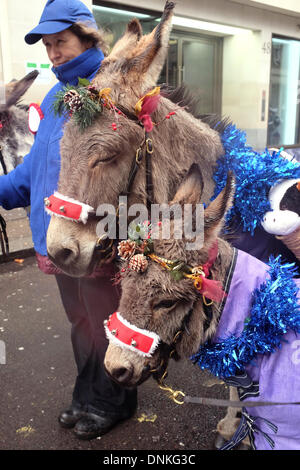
[
  {"x": 85, "y": 208},
  {"x": 280, "y": 222},
  {"x": 114, "y": 339},
  {"x": 35, "y": 115}
]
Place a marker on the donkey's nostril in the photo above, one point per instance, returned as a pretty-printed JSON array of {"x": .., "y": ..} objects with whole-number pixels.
[
  {"x": 63, "y": 256},
  {"x": 122, "y": 375},
  {"x": 66, "y": 254}
]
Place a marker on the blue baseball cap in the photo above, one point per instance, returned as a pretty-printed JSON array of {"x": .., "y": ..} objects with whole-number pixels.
[{"x": 59, "y": 15}]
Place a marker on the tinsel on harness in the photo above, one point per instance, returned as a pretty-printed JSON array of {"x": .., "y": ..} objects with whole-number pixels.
[
  {"x": 274, "y": 311},
  {"x": 255, "y": 174}
]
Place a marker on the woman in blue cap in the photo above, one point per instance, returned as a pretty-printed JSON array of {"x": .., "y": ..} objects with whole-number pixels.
[{"x": 72, "y": 40}]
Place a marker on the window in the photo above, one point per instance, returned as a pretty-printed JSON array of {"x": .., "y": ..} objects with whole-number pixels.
[{"x": 284, "y": 109}]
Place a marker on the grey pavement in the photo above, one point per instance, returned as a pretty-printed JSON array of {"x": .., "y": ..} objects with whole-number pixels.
[
  {"x": 37, "y": 378},
  {"x": 18, "y": 229}
]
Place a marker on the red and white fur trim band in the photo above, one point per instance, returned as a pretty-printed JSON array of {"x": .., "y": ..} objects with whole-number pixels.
[
  {"x": 122, "y": 333},
  {"x": 68, "y": 208}
]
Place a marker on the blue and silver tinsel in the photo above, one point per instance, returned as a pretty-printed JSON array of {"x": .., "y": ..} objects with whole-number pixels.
[
  {"x": 273, "y": 313},
  {"x": 255, "y": 174}
]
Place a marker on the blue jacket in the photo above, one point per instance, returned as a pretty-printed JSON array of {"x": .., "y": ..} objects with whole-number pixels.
[{"x": 37, "y": 177}]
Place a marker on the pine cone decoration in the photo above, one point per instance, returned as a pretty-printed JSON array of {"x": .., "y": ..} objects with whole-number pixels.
[
  {"x": 93, "y": 90},
  {"x": 76, "y": 103},
  {"x": 138, "y": 263},
  {"x": 126, "y": 249},
  {"x": 69, "y": 95}
]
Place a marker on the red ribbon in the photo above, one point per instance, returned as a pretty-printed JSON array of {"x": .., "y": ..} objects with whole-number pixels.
[
  {"x": 149, "y": 105},
  {"x": 211, "y": 289}
]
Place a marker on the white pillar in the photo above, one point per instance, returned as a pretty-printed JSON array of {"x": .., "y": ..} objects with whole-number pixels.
[{"x": 5, "y": 49}]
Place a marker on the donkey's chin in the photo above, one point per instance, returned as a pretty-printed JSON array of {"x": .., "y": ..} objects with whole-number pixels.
[
  {"x": 79, "y": 269},
  {"x": 129, "y": 382}
]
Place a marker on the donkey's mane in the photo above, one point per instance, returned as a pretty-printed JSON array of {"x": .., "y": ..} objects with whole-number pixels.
[{"x": 183, "y": 96}]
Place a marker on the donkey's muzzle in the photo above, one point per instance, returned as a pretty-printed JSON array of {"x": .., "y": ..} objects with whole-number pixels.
[
  {"x": 64, "y": 256},
  {"x": 121, "y": 375}
]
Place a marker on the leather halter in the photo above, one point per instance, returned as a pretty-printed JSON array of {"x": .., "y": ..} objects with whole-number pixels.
[{"x": 145, "y": 149}]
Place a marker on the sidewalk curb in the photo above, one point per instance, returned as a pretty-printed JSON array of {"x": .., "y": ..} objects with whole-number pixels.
[{"x": 26, "y": 253}]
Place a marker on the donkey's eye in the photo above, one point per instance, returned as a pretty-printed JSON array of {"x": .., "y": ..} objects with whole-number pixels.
[
  {"x": 167, "y": 304},
  {"x": 98, "y": 160}
]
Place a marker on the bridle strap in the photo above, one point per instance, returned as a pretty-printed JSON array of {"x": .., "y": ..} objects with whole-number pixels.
[
  {"x": 138, "y": 157},
  {"x": 149, "y": 181},
  {"x": 2, "y": 162},
  {"x": 136, "y": 162},
  {"x": 160, "y": 372},
  {"x": 3, "y": 237}
]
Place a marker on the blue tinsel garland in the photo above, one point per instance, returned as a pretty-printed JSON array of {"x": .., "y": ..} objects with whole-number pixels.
[
  {"x": 255, "y": 174},
  {"x": 274, "y": 311}
]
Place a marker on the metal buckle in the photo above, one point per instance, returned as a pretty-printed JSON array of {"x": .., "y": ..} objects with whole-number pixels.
[
  {"x": 149, "y": 146},
  {"x": 139, "y": 156}
]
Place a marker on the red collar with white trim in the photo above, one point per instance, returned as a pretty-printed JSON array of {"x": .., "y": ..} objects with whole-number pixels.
[
  {"x": 68, "y": 208},
  {"x": 124, "y": 334}
]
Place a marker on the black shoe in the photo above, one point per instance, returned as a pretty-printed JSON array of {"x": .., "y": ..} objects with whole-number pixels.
[
  {"x": 93, "y": 425},
  {"x": 69, "y": 417}
]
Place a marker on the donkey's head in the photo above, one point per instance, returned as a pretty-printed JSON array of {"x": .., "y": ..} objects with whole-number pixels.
[
  {"x": 96, "y": 163},
  {"x": 15, "y": 139},
  {"x": 159, "y": 315},
  {"x": 16, "y": 89}
]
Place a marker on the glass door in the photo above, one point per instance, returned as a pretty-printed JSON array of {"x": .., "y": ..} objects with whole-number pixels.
[
  {"x": 199, "y": 71},
  {"x": 284, "y": 103},
  {"x": 196, "y": 62}
]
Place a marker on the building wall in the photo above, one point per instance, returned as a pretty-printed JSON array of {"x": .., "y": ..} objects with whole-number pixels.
[
  {"x": 246, "y": 57},
  {"x": 284, "y": 6}
]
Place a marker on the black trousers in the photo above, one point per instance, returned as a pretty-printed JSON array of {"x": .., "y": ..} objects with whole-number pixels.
[{"x": 88, "y": 302}]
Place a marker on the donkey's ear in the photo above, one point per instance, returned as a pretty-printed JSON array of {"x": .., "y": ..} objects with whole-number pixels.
[
  {"x": 148, "y": 59},
  {"x": 16, "y": 89},
  {"x": 127, "y": 42},
  {"x": 191, "y": 188},
  {"x": 214, "y": 215}
]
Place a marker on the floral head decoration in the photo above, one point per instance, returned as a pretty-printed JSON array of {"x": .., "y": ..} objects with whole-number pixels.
[
  {"x": 84, "y": 102},
  {"x": 138, "y": 250}
]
